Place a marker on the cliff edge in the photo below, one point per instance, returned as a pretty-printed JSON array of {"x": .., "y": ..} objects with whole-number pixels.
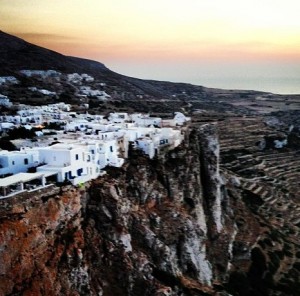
[{"x": 173, "y": 225}]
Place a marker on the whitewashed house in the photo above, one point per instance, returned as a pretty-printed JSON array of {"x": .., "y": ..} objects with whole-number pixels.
[
  {"x": 77, "y": 125},
  {"x": 11, "y": 118},
  {"x": 134, "y": 116},
  {"x": 71, "y": 162},
  {"x": 154, "y": 141},
  {"x": 147, "y": 145},
  {"x": 7, "y": 118},
  {"x": 180, "y": 118},
  {"x": 118, "y": 117},
  {"x": 33, "y": 115},
  {"x": 108, "y": 135},
  {"x": 42, "y": 91},
  {"x": 108, "y": 154},
  {"x": 81, "y": 161},
  {"x": 79, "y": 78},
  {"x": 145, "y": 121},
  {"x": 5, "y": 126},
  {"x": 170, "y": 136},
  {"x": 41, "y": 73},
  {"x": 12, "y": 162},
  {"x": 87, "y": 78},
  {"x": 133, "y": 133}
]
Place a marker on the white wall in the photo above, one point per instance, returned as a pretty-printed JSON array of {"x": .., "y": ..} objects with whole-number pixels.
[
  {"x": 55, "y": 157},
  {"x": 17, "y": 162}
]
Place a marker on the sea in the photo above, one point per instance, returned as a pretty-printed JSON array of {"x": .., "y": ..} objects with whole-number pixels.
[{"x": 278, "y": 85}]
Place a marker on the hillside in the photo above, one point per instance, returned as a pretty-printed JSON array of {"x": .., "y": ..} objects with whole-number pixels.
[{"x": 17, "y": 54}]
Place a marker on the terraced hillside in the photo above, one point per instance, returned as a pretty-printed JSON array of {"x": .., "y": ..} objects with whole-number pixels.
[{"x": 270, "y": 181}]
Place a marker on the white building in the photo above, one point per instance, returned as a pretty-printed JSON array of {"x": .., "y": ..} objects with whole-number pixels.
[
  {"x": 77, "y": 125},
  {"x": 88, "y": 91},
  {"x": 5, "y": 126},
  {"x": 79, "y": 78},
  {"x": 12, "y": 162},
  {"x": 118, "y": 117},
  {"x": 81, "y": 161},
  {"x": 147, "y": 145},
  {"x": 41, "y": 73},
  {"x": 145, "y": 121},
  {"x": 170, "y": 136},
  {"x": 157, "y": 139},
  {"x": 108, "y": 154},
  {"x": 71, "y": 162},
  {"x": 180, "y": 118},
  {"x": 97, "y": 143},
  {"x": 42, "y": 91}
]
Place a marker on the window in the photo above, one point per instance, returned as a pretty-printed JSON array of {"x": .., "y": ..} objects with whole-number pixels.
[
  {"x": 111, "y": 149},
  {"x": 76, "y": 156},
  {"x": 26, "y": 161},
  {"x": 13, "y": 162},
  {"x": 93, "y": 151}
]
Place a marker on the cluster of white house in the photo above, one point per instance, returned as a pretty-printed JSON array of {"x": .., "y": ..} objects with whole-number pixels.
[
  {"x": 87, "y": 146},
  {"x": 60, "y": 113},
  {"x": 38, "y": 115},
  {"x": 40, "y": 73}
]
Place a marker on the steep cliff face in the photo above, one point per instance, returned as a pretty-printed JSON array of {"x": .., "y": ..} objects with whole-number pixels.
[
  {"x": 174, "y": 225},
  {"x": 39, "y": 235},
  {"x": 153, "y": 223}
]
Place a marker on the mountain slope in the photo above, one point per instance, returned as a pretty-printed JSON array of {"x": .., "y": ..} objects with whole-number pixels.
[{"x": 17, "y": 54}]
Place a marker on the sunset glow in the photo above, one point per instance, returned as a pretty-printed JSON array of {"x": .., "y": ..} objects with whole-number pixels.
[{"x": 119, "y": 32}]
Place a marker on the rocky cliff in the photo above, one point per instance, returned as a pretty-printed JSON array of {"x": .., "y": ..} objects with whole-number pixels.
[{"x": 174, "y": 225}]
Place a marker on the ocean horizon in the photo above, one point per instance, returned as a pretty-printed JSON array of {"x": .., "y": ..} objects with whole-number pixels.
[{"x": 278, "y": 85}]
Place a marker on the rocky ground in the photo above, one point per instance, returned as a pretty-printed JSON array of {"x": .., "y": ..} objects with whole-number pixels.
[{"x": 190, "y": 222}]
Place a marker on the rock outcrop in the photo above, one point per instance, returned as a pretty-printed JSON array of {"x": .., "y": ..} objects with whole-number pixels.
[{"x": 173, "y": 225}]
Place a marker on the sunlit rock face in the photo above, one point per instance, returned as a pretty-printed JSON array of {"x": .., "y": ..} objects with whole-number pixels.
[
  {"x": 41, "y": 243},
  {"x": 172, "y": 225}
]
